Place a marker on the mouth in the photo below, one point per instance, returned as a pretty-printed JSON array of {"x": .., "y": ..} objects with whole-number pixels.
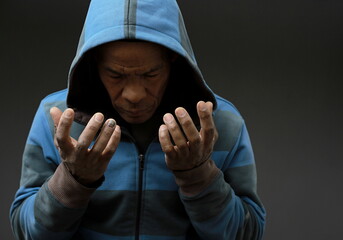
[{"x": 135, "y": 113}]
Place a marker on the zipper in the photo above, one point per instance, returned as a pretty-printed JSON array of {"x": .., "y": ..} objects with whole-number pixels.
[
  {"x": 139, "y": 196},
  {"x": 140, "y": 182}
]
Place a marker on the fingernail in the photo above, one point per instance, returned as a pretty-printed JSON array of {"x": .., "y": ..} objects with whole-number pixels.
[
  {"x": 163, "y": 128},
  {"x": 117, "y": 129},
  {"x": 168, "y": 118},
  {"x": 111, "y": 123},
  {"x": 163, "y": 131},
  {"x": 99, "y": 117},
  {"x": 203, "y": 108},
  {"x": 181, "y": 112},
  {"x": 68, "y": 113}
]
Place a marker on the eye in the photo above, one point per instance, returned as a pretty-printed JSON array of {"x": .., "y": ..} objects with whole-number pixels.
[
  {"x": 150, "y": 75},
  {"x": 116, "y": 76}
]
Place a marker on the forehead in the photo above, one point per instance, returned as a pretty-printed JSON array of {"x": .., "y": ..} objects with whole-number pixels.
[{"x": 132, "y": 54}]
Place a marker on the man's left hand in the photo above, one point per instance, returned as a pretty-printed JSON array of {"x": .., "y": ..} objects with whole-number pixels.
[{"x": 191, "y": 147}]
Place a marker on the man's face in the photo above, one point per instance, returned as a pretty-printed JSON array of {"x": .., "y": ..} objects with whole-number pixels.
[{"x": 135, "y": 75}]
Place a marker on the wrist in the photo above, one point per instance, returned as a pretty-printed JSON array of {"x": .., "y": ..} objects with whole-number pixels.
[
  {"x": 88, "y": 183},
  {"x": 67, "y": 190},
  {"x": 193, "y": 181}
]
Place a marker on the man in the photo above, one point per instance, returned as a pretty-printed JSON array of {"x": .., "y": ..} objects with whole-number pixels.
[{"x": 138, "y": 146}]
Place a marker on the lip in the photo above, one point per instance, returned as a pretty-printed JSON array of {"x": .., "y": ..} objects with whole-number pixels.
[{"x": 136, "y": 113}]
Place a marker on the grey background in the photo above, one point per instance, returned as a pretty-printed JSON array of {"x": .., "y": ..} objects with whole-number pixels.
[{"x": 279, "y": 62}]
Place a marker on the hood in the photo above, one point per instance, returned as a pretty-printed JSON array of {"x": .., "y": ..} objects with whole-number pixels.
[{"x": 157, "y": 21}]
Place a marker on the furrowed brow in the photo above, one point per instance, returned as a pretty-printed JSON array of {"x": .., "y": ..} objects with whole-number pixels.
[
  {"x": 154, "y": 69},
  {"x": 110, "y": 70}
]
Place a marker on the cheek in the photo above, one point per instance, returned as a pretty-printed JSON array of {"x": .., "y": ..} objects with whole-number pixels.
[
  {"x": 159, "y": 88},
  {"x": 161, "y": 91},
  {"x": 113, "y": 90}
]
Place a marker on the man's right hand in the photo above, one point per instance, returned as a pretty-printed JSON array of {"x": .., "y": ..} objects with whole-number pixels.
[{"x": 86, "y": 164}]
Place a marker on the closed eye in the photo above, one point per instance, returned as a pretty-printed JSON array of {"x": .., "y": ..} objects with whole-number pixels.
[
  {"x": 116, "y": 76},
  {"x": 150, "y": 75},
  {"x": 113, "y": 74}
]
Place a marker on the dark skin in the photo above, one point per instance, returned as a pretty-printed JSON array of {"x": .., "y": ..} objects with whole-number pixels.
[
  {"x": 86, "y": 164},
  {"x": 141, "y": 73},
  {"x": 192, "y": 148}
]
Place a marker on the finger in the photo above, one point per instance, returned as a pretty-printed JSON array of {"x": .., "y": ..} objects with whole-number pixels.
[
  {"x": 175, "y": 132},
  {"x": 112, "y": 143},
  {"x": 104, "y": 136},
  {"x": 62, "y": 136},
  {"x": 207, "y": 132},
  {"x": 165, "y": 141},
  {"x": 55, "y": 114},
  {"x": 188, "y": 127},
  {"x": 89, "y": 133}
]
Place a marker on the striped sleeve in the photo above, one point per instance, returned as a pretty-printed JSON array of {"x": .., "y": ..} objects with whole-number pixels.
[
  {"x": 36, "y": 212},
  {"x": 230, "y": 207}
]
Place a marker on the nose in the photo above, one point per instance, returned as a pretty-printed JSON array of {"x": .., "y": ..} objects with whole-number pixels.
[{"x": 134, "y": 91}]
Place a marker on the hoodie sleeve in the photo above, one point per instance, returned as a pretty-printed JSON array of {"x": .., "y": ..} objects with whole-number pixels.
[
  {"x": 229, "y": 207},
  {"x": 49, "y": 203}
]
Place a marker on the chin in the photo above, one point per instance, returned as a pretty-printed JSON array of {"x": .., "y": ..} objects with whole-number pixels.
[{"x": 138, "y": 117}]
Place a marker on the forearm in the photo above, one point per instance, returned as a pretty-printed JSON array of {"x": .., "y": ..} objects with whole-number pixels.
[
  {"x": 218, "y": 213},
  {"x": 55, "y": 211},
  {"x": 30, "y": 223}
]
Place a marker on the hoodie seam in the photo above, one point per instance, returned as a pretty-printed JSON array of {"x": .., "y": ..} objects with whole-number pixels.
[
  {"x": 127, "y": 25},
  {"x": 95, "y": 36}
]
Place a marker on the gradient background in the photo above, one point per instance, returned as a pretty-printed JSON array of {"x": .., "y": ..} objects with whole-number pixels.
[{"x": 279, "y": 62}]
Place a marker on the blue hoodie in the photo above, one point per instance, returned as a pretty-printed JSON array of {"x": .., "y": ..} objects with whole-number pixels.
[{"x": 140, "y": 197}]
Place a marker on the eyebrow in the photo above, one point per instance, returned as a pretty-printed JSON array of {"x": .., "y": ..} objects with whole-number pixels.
[
  {"x": 154, "y": 69},
  {"x": 158, "y": 67},
  {"x": 112, "y": 71}
]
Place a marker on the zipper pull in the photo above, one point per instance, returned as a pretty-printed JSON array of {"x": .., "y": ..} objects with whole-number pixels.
[{"x": 141, "y": 161}]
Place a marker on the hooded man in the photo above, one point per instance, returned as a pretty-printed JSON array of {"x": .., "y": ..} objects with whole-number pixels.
[{"x": 138, "y": 146}]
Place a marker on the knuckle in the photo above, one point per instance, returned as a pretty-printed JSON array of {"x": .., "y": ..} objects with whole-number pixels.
[
  {"x": 59, "y": 140},
  {"x": 182, "y": 146},
  {"x": 168, "y": 149},
  {"x": 108, "y": 132},
  {"x": 109, "y": 153},
  {"x": 96, "y": 151},
  {"x": 196, "y": 140},
  {"x": 206, "y": 117},
  {"x": 187, "y": 123},
  {"x": 80, "y": 146},
  {"x": 64, "y": 123},
  {"x": 103, "y": 140},
  {"x": 209, "y": 131},
  {"x": 93, "y": 128},
  {"x": 173, "y": 127}
]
